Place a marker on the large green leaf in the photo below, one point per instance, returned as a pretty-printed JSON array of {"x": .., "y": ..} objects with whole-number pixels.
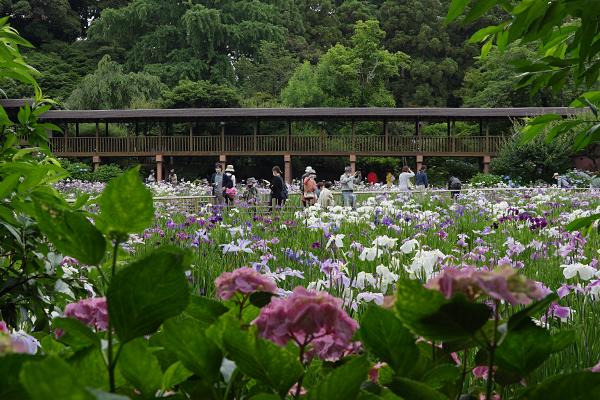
[
  {"x": 148, "y": 292},
  {"x": 10, "y": 366},
  {"x": 263, "y": 360},
  {"x": 195, "y": 350},
  {"x": 524, "y": 349},
  {"x": 126, "y": 205},
  {"x": 583, "y": 385},
  {"x": 174, "y": 375},
  {"x": 525, "y": 315},
  {"x": 77, "y": 334},
  {"x": 413, "y": 390},
  {"x": 438, "y": 376},
  {"x": 91, "y": 369},
  {"x": 342, "y": 383},
  {"x": 52, "y": 379},
  {"x": 205, "y": 310},
  {"x": 428, "y": 314},
  {"x": 383, "y": 334},
  {"x": 139, "y": 366},
  {"x": 71, "y": 233}
]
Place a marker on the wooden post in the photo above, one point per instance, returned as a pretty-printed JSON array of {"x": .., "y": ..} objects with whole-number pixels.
[
  {"x": 353, "y": 135},
  {"x": 160, "y": 141},
  {"x": 420, "y": 136},
  {"x": 448, "y": 146},
  {"x": 487, "y": 137},
  {"x": 255, "y": 134},
  {"x": 353, "y": 162},
  {"x": 191, "y": 137},
  {"x": 96, "y": 161},
  {"x": 289, "y": 133},
  {"x": 66, "y": 137},
  {"x": 97, "y": 137},
  {"x": 159, "y": 167},
  {"x": 287, "y": 159},
  {"x": 453, "y": 136},
  {"x": 486, "y": 164},
  {"x": 106, "y": 128},
  {"x": 419, "y": 163},
  {"x": 76, "y": 129},
  {"x": 223, "y": 137},
  {"x": 320, "y": 135},
  {"x": 128, "y": 137},
  {"x": 385, "y": 131}
]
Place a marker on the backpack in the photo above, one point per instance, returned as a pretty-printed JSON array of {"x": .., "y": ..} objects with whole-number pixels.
[
  {"x": 455, "y": 184},
  {"x": 284, "y": 191}
]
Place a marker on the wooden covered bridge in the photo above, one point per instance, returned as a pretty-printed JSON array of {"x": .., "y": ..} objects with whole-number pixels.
[{"x": 287, "y": 143}]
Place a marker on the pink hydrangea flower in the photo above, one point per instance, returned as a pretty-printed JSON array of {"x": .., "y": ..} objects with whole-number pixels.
[
  {"x": 306, "y": 317},
  {"x": 4, "y": 328},
  {"x": 243, "y": 280},
  {"x": 9, "y": 345},
  {"x": 503, "y": 283},
  {"x": 374, "y": 372},
  {"x": 91, "y": 312}
]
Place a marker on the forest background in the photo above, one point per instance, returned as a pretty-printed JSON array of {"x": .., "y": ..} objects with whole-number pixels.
[{"x": 120, "y": 54}]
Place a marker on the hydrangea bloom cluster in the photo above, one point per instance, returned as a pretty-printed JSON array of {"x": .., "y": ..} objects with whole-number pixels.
[
  {"x": 503, "y": 283},
  {"x": 306, "y": 317},
  {"x": 91, "y": 312},
  {"x": 243, "y": 280}
]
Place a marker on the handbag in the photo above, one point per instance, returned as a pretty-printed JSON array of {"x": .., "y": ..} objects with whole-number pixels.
[
  {"x": 410, "y": 185},
  {"x": 309, "y": 195},
  {"x": 230, "y": 192}
]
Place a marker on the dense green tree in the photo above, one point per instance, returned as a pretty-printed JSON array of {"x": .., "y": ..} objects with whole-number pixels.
[
  {"x": 42, "y": 21},
  {"x": 201, "y": 94},
  {"x": 350, "y": 12},
  {"x": 188, "y": 40},
  {"x": 110, "y": 88},
  {"x": 348, "y": 76},
  {"x": 439, "y": 56},
  {"x": 492, "y": 82},
  {"x": 268, "y": 73}
]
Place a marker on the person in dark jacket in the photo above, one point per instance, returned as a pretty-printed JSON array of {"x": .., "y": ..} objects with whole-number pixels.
[
  {"x": 454, "y": 185},
  {"x": 421, "y": 179},
  {"x": 276, "y": 186},
  {"x": 220, "y": 183}
]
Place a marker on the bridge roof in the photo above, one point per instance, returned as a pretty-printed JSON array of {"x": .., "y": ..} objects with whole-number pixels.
[{"x": 303, "y": 114}]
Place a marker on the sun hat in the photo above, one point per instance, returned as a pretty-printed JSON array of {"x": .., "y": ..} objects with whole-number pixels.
[
  {"x": 251, "y": 180},
  {"x": 229, "y": 168},
  {"x": 312, "y": 171},
  {"x": 555, "y": 174},
  {"x": 308, "y": 169}
]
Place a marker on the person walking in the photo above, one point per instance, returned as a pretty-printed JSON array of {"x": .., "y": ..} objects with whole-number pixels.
[
  {"x": 220, "y": 183},
  {"x": 172, "y": 177},
  {"x": 390, "y": 178},
  {"x": 562, "y": 182},
  {"x": 348, "y": 180},
  {"x": 307, "y": 172},
  {"x": 421, "y": 179},
  {"x": 326, "y": 197},
  {"x": 151, "y": 180},
  {"x": 230, "y": 173},
  {"x": 404, "y": 179},
  {"x": 251, "y": 193},
  {"x": 276, "y": 186},
  {"x": 454, "y": 185},
  {"x": 310, "y": 186}
]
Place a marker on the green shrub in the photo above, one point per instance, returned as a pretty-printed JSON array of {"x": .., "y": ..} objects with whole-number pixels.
[
  {"x": 485, "y": 180},
  {"x": 105, "y": 173}
]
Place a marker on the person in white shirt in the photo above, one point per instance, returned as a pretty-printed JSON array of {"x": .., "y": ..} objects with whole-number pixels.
[
  {"x": 348, "y": 180},
  {"x": 326, "y": 197},
  {"x": 404, "y": 178}
]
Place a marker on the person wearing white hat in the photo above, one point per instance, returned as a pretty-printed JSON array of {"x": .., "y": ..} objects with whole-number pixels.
[
  {"x": 229, "y": 171},
  {"x": 307, "y": 172},
  {"x": 562, "y": 182}
]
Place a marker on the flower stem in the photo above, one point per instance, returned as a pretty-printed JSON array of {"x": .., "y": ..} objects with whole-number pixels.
[
  {"x": 492, "y": 349},
  {"x": 112, "y": 362}
]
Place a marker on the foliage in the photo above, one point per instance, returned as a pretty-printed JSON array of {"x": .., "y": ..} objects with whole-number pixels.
[
  {"x": 485, "y": 180},
  {"x": 109, "y": 88},
  {"x": 462, "y": 129},
  {"x": 441, "y": 168},
  {"x": 190, "y": 41},
  {"x": 201, "y": 94},
  {"x": 534, "y": 160},
  {"x": 348, "y": 76},
  {"x": 85, "y": 172}
]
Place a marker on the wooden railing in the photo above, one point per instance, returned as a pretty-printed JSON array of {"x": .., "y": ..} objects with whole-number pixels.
[{"x": 262, "y": 144}]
